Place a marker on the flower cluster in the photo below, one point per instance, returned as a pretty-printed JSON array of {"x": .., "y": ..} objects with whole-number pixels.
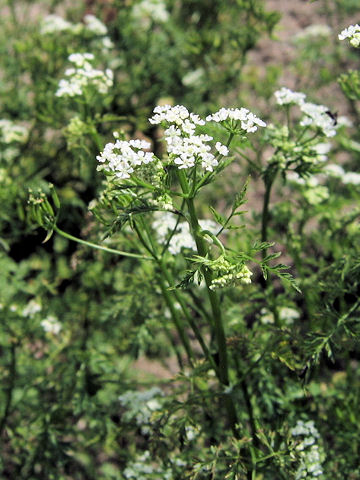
[
  {"x": 11, "y": 135},
  {"x": 241, "y": 117},
  {"x": 184, "y": 147},
  {"x": 310, "y": 188},
  {"x": 166, "y": 223},
  {"x": 143, "y": 468},
  {"x": 82, "y": 76},
  {"x": 346, "y": 177},
  {"x": 309, "y": 451},
  {"x": 319, "y": 117},
  {"x": 50, "y": 324},
  {"x": 286, "y": 315},
  {"x": 94, "y": 25},
  {"x": 353, "y": 33},
  {"x": 122, "y": 158},
  {"x": 149, "y": 11},
  {"x": 140, "y": 406},
  {"x": 56, "y": 24},
  {"x": 229, "y": 274},
  {"x": 31, "y": 309},
  {"x": 285, "y": 96},
  {"x": 313, "y": 31},
  {"x": 10, "y": 132}
]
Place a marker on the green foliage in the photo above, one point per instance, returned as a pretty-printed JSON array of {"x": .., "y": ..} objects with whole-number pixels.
[{"x": 152, "y": 326}]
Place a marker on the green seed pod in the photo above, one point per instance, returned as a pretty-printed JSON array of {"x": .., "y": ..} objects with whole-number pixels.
[{"x": 54, "y": 196}]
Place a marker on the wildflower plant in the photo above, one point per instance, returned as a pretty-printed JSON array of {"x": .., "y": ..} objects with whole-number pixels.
[{"x": 152, "y": 332}]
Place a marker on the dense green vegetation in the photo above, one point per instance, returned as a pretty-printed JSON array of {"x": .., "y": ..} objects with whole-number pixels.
[{"x": 180, "y": 276}]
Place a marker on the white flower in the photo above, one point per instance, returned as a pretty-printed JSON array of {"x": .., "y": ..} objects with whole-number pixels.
[
  {"x": 310, "y": 455},
  {"x": 31, "y": 309},
  {"x": 121, "y": 158},
  {"x": 11, "y": 132},
  {"x": 178, "y": 115},
  {"x": 150, "y": 10},
  {"x": 353, "y": 33},
  {"x": 313, "y": 31},
  {"x": 194, "y": 77},
  {"x": 266, "y": 317},
  {"x": 54, "y": 24},
  {"x": 165, "y": 222},
  {"x": 285, "y": 96},
  {"x": 294, "y": 177},
  {"x": 80, "y": 59},
  {"x": 51, "y": 325},
  {"x": 185, "y": 148},
  {"x": 95, "y": 25},
  {"x": 288, "y": 315},
  {"x": 322, "y": 149},
  {"x": 344, "y": 121},
  {"x": 222, "y": 149},
  {"x": 107, "y": 43},
  {"x": 319, "y": 117},
  {"x": 248, "y": 121},
  {"x": 351, "y": 177},
  {"x": 84, "y": 76},
  {"x": 334, "y": 170}
]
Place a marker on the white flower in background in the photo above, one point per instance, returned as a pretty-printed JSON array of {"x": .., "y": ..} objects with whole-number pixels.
[
  {"x": 83, "y": 75},
  {"x": 95, "y": 25},
  {"x": 334, "y": 170},
  {"x": 143, "y": 468},
  {"x": 148, "y": 11},
  {"x": 288, "y": 315},
  {"x": 122, "y": 158},
  {"x": 31, "y": 309},
  {"x": 248, "y": 121},
  {"x": 194, "y": 77},
  {"x": 266, "y": 317},
  {"x": 141, "y": 405},
  {"x": 310, "y": 454},
  {"x": 322, "y": 149},
  {"x": 353, "y": 33},
  {"x": 92, "y": 26},
  {"x": 51, "y": 325},
  {"x": 165, "y": 222},
  {"x": 107, "y": 43},
  {"x": 319, "y": 117},
  {"x": 55, "y": 24},
  {"x": 294, "y": 177},
  {"x": 344, "y": 121},
  {"x": 285, "y": 96},
  {"x": 11, "y": 132},
  {"x": 312, "y": 31},
  {"x": 352, "y": 178}
]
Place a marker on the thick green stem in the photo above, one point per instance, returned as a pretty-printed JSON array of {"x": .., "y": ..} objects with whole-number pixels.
[{"x": 219, "y": 332}]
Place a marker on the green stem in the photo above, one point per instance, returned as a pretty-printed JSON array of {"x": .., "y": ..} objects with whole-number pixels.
[
  {"x": 10, "y": 388},
  {"x": 190, "y": 320},
  {"x": 265, "y": 213},
  {"x": 99, "y": 247},
  {"x": 179, "y": 327},
  {"x": 219, "y": 332}
]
